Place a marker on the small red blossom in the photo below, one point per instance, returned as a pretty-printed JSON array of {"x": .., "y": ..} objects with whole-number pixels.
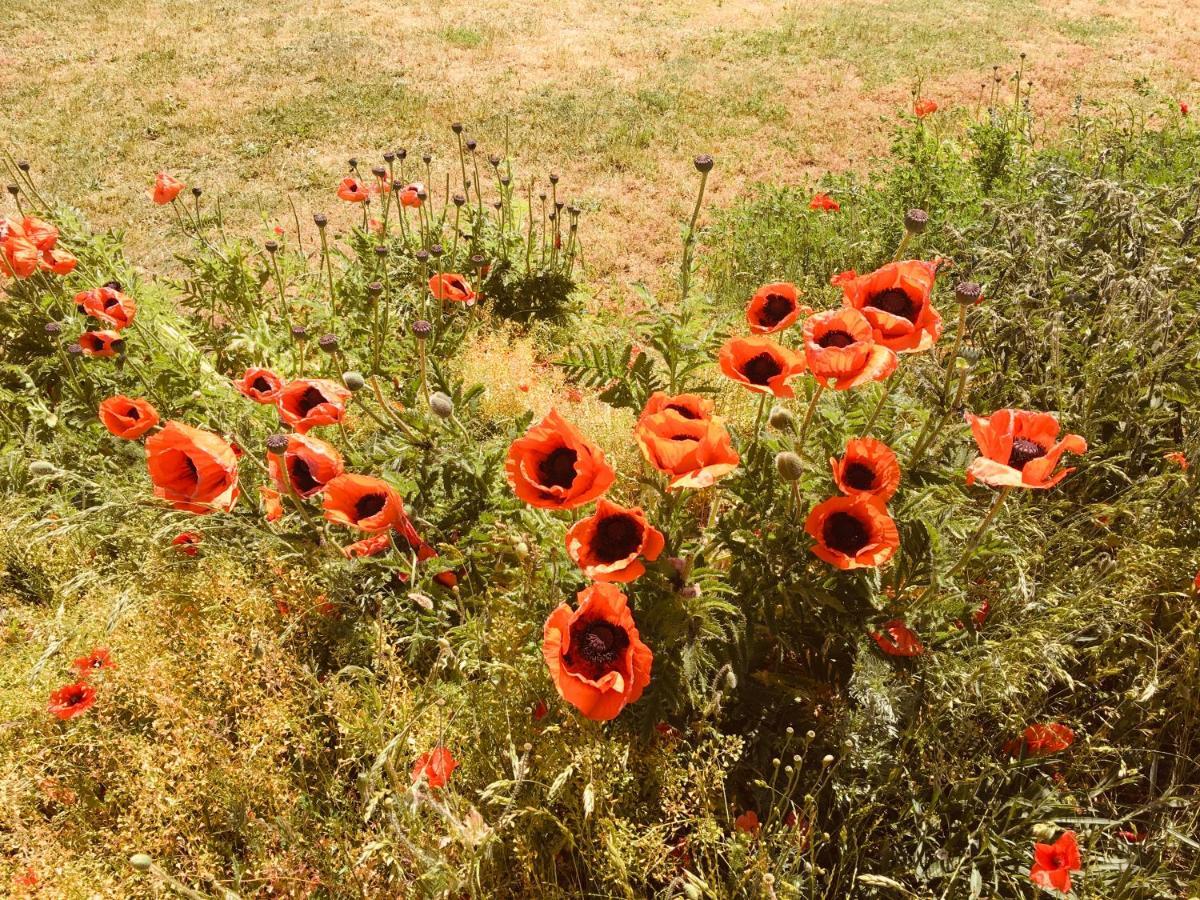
[
  {"x": 747, "y": 822},
  {"x": 98, "y": 659},
  {"x": 1178, "y": 458},
  {"x": 1042, "y": 739},
  {"x": 924, "y": 107},
  {"x": 824, "y": 203},
  {"x": 165, "y": 188},
  {"x": 187, "y": 542},
  {"x": 1054, "y": 863},
  {"x": 352, "y": 191},
  {"x": 435, "y": 767},
  {"x": 897, "y": 639},
  {"x": 70, "y": 700}
]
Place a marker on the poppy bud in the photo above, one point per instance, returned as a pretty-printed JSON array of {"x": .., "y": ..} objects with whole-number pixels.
[
  {"x": 442, "y": 406},
  {"x": 781, "y": 419},
  {"x": 789, "y": 465},
  {"x": 353, "y": 381},
  {"x": 381, "y": 251},
  {"x": 328, "y": 343},
  {"x": 277, "y": 443},
  {"x": 197, "y": 191},
  {"x": 23, "y": 165},
  {"x": 968, "y": 293},
  {"x": 471, "y": 145},
  {"x": 299, "y": 333},
  {"x": 422, "y": 329},
  {"x": 456, "y": 127},
  {"x": 915, "y": 221},
  {"x": 14, "y": 190},
  {"x": 74, "y": 349},
  {"x": 459, "y": 199},
  {"x": 389, "y": 156},
  {"x": 703, "y": 162},
  {"x": 53, "y": 328},
  {"x": 141, "y": 861},
  {"x": 320, "y": 220},
  {"x": 378, "y": 171},
  {"x": 374, "y": 289},
  {"x": 40, "y": 467},
  {"x": 435, "y": 251},
  {"x": 271, "y": 246}
]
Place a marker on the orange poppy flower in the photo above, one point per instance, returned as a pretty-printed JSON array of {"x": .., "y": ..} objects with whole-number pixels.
[
  {"x": 1179, "y": 458},
  {"x": 72, "y": 699},
  {"x": 897, "y": 639},
  {"x": 852, "y": 532},
  {"x": 411, "y": 195},
  {"x": 840, "y": 348},
  {"x": 58, "y": 261},
  {"x": 774, "y": 307},
  {"x": 308, "y": 402},
  {"x": 43, "y": 234},
  {"x": 108, "y": 305},
  {"x": 596, "y": 658},
  {"x": 1042, "y": 739},
  {"x": 19, "y": 254},
  {"x": 867, "y": 467},
  {"x": 1019, "y": 449},
  {"x": 1054, "y": 863},
  {"x": 362, "y": 502},
  {"x": 824, "y": 203},
  {"x": 310, "y": 463},
  {"x": 98, "y": 659},
  {"x": 553, "y": 466},
  {"x": 193, "y": 470},
  {"x": 449, "y": 286},
  {"x": 352, "y": 191},
  {"x": 101, "y": 343},
  {"x": 690, "y": 406},
  {"x": 607, "y": 544},
  {"x": 924, "y": 107},
  {"x": 897, "y": 300},
  {"x": 165, "y": 188},
  {"x": 260, "y": 385},
  {"x": 127, "y": 417},
  {"x": 695, "y": 453},
  {"x": 372, "y": 546},
  {"x": 187, "y": 542},
  {"x": 747, "y": 822},
  {"x": 272, "y": 505},
  {"x": 761, "y": 365},
  {"x": 435, "y": 767}
]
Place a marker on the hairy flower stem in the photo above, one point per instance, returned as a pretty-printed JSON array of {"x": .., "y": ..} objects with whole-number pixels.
[
  {"x": 902, "y": 246},
  {"x": 887, "y": 390},
  {"x": 762, "y": 408},
  {"x": 928, "y": 433},
  {"x": 685, "y": 267},
  {"x": 327, "y": 262},
  {"x": 808, "y": 417},
  {"x": 972, "y": 544},
  {"x": 283, "y": 304}
]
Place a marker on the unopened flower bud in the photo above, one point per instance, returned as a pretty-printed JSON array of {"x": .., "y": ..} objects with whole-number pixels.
[
  {"x": 968, "y": 293},
  {"x": 442, "y": 405},
  {"x": 353, "y": 381},
  {"x": 789, "y": 466},
  {"x": 141, "y": 861},
  {"x": 915, "y": 221},
  {"x": 703, "y": 162},
  {"x": 328, "y": 343},
  {"x": 781, "y": 419},
  {"x": 40, "y": 468},
  {"x": 353, "y": 161}
]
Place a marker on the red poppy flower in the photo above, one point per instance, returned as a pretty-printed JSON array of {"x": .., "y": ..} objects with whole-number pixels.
[
  {"x": 852, "y": 532},
  {"x": 553, "y": 466},
  {"x": 27, "y": 879},
  {"x": 108, "y": 305},
  {"x": 260, "y": 385},
  {"x": 1178, "y": 458},
  {"x": 362, "y": 502},
  {"x": 1184, "y": 109},
  {"x": 193, "y": 470},
  {"x": 596, "y": 658},
  {"x": 841, "y": 351},
  {"x": 607, "y": 544},
  {"x": 1196, "y": 582},
  {"x": 1131, "y": 836},
  {"x": 1020, "y": 449},
  {"x": 867, "y": 467},
  {"x": 187, "y": 542},
  {"x": 352, "y": 191},
  {"x": 98, "y": 659},
  {"x": 690, "y": 406},
  {"x": 1054, "y": 863},
  {"x": 1042, "y": 739},
  {"x": 695, "y": 453},
  {"x": 58, "y": 261},
  {"x": 824, "y": 203},
  {"x": 435, "y": 767},
  {"x": 411, "y": 195},
  {"x": 72, "y": 699},
  {"x": 127, "y": 417},
  {"x": 897, "y": 639},
  {"x": 924, "y": 107},
  {"x": 981, "y": 613},
  {"x": 165, "y": 188},
  {"x": 540, "y": 710},
  {"x": 774, "y": 307},
  {"x": 272, "y": 505},
  {"x": 449, "y": 286},
  {"x": 896, "y": 299},
  {"x": 747, "y": 822},
  {"x": 372, "y": 546},
  {"x": 101, "y": 343},
  {"x": 308, "y": 402},
  {"x": 42, "y": 233},
  {"x": 310, "y": 464},
  {"x": 761, "y": 365}
]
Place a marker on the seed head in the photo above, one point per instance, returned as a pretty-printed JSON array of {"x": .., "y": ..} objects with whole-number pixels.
[
  {"x": 968, "y": 293},
  {"x": 320, "y": 220},
  {"x": 421, "y": 255},
  {"x": 328, "y": 343},
  {"x": 471, "y": 144},
  {"x": 353, "y": 381},
  {"x": 422, "y": 328},
  {"x": 494, "y": 160},
  {"x": 442, "y": 405},
  {"x": 197, "y": 191},
  {"x": 435, "y": 250},
  {"x": 14, "y": 190},
  {"x": 381, "y": 251},
  {"x": 374, "y": 288},
  {"x": 277, "y": 443},
  {"x": 53, "y": 328},
  {"x": 378, "y": 171},
  {"x": 389, "y": 157},
  {"x": 23, "y": 165},
  {"x": 271, "y": 247},
  {"x": 74, "y": 349},
  {"x": 915, "y": 221},
  {"x": 456, "y": 127},
  {"x": 554, "y": 178},
  {"x": 703, "y": 162},
  {"x": 478, "y": 260},
  {"x": 401, "y": 153},
  {"x": 789, "y": 465},
  {"x": 459, "y": 199},
  {"x": 427, "y": 158},
  {"x": 299, "y": 333},
  {"x": 353, "y": 163}
]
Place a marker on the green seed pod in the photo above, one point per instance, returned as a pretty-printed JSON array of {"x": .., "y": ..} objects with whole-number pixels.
[
  {"x": 353, "y": 381},
  {"x": 789, "y": 465},
  {"x": 141, "y": 861}
]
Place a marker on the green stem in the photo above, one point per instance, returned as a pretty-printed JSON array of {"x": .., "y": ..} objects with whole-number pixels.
[
  {"x": 808, "y": 417},
  {"x": 887, "y": 389},
  {"x": 685, "y": 272}
]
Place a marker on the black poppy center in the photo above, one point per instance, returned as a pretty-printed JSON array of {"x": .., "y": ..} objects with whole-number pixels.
[
  {"x": 302, "y": 476},
  {"x": 190, "y": 468},
  {"x": 1023, "y": 451},
  {"x": 600, "y": 643},
  {"x": 761, "y": 369},
  {"x": 261, "y": 384},
  {"x": 684, "y": 437},
  {"x": 859, "y": 476},
  {"x": 683, "y": 411},
  {"x": 558, "y": 468},
  {"x": 896, "y": 302},
  {"x": 837, "y": 338},
  {"x": 132, "y": 413},
  {"x": 775, "y": 310},
  {"x": 845, "y": 533},
  {"x": 617, "y": 537},
  {"x": 369, "y": 505},
  {"x": 310, "y": 400},
  {"x": 110, "y": 302},
  {"x": 74, "y": 696}
]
